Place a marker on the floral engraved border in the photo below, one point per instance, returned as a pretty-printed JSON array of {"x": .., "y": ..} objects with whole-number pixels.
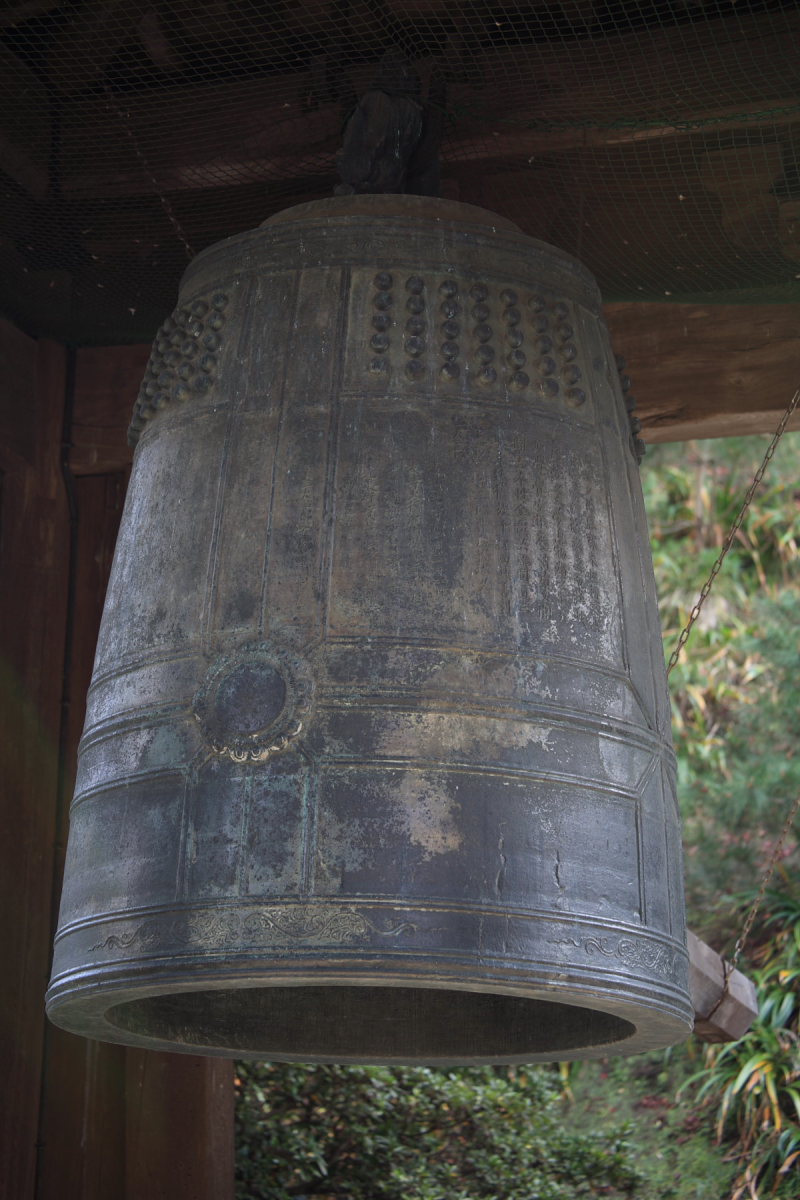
[
  {"x": 329, "y": 924},
  {"x": 633, "y": 952}
]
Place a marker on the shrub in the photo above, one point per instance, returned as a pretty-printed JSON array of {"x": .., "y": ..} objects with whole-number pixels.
[
  {"x": 413, "y": 1133},
  {"x": 754, "y": 1084}
]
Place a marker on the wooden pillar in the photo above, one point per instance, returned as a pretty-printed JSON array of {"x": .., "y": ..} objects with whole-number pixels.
[
  {"x": 82, "y": 1121},
  {"x": 82, "y": 1129},
  {"x": 179, "y": 1128},
  {"x": 34, "y": 571}
]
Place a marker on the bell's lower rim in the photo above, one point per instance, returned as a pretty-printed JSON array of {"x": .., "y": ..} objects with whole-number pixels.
[{"x": 342, "y": 1017}]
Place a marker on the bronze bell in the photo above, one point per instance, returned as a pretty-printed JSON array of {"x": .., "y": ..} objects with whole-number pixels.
[{"x": 377, "y": 761}]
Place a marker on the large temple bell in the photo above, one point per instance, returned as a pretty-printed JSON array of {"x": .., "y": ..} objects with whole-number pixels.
[{"x": 377, "y": 761}]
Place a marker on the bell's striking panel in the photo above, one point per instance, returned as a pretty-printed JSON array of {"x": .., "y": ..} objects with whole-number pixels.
[{"x": 377, "y": 761}]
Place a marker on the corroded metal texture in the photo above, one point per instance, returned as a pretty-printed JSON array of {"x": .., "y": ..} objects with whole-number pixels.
[{"x": 377, "y": 761}]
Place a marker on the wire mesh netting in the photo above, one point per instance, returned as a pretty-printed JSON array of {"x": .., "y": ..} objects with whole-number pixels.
[{"x": 657, "y": 140}]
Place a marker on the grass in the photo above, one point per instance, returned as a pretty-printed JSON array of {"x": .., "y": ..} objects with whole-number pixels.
[{"x": 672, "y": 1143}]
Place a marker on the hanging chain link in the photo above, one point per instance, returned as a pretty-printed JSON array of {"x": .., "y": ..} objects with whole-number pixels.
[
  {"x": 734, "y": 529},
  {"x": 729, "y": 967},
  {"x": 124, "y": 118}
]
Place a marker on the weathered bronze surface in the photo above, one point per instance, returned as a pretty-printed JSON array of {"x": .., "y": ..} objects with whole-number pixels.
[{"x": 377, "y": 762}]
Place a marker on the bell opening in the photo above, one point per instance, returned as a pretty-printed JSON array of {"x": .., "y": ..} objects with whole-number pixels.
[{"x": 369, "y": 1024}]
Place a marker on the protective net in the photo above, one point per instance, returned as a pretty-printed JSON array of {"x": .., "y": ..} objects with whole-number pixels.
[{"x": 657, "y": 140}]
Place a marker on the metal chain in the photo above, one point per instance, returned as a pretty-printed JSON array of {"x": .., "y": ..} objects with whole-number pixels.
[
  {"x": 124, "y": 118},
  {"x": 734, "y": 529},
  {"x": 728, "y": 967}
]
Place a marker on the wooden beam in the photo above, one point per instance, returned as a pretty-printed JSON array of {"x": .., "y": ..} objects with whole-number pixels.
[
  {"x": 258, "y": 128},
  {"x": 243, "y": 132},
  {"x": 18, "y": 433},
  {"x": 22, "y": 169},
  {"x": 707, "y": 372},
  {"x": 296, "y": 146},
  {"x": 15, "y": 14},
  {"x": 25, "y": 139},
  {"x": 741, "y": 61},
  {"x": 83, "y": 47}
]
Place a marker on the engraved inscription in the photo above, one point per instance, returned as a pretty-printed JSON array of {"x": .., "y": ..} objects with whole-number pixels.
[{"x": 563, "y": 544}]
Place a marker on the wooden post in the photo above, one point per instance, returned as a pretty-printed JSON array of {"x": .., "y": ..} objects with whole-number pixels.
[
  {"x": 82, "y": 1121},
  {"x": 34, "y": 568},
  {"x": 179, "y": 1128}
]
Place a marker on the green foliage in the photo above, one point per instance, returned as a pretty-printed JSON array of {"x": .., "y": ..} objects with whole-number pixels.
[
  {"x": 411, "y": 1133},
  {"x": 673, "y": 1143},
  {"x": 736, "y": 719},
  {"x": 754, "y": 1084},
  {"x": 736, "y": 689}
]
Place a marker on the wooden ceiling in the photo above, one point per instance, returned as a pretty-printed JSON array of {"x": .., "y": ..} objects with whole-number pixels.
[{"x": 659, "y": 142}]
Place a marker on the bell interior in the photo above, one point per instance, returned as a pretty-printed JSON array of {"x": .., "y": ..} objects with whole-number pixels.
[{"x": 369, "y": 1024}]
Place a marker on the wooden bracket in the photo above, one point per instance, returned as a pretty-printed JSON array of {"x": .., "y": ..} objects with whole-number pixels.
[{"x": 720, "y": 1014}]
